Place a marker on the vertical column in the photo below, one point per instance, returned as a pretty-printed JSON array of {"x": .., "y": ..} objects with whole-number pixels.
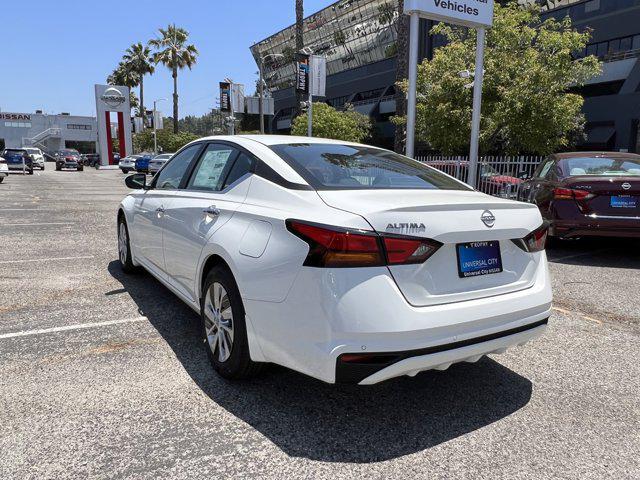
[
  {"x": 121, "y": 135},
  {"x": 414, "y": 26},
  {"x": 107, "y": 116},
  {"x": 477, "y": 104}
]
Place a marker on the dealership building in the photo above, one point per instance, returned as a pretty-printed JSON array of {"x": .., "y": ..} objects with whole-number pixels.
[
  {"x": 358, "y": 38},
  {"x": 48, "y": 132}
]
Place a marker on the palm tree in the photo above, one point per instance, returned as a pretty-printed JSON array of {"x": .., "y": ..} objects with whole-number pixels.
[
  {"x": 123, "y": 75},
  {"x": 299, "y": 41},
  {"x": 174, "y": 53},
  {"x": 138, "y": 60}
]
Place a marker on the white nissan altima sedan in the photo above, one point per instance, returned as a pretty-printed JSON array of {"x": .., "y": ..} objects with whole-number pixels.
[{"x": 342, "y": 261}]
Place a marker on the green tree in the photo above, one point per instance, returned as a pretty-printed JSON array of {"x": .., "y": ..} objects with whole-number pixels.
[
  {"x": 328, "y": 122},
  {"x": 174, "y": 53},
  {"x": 167, "y": 140},
  {"x": 138, "y": 60},
  {"x": 527, "y": 104}
]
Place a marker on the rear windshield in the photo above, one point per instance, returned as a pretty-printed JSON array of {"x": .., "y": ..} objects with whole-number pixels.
[
  {"x": 327, "y": 166},
  {"x": 12, "y": 151},
  {"x": 601, "y": 166}
]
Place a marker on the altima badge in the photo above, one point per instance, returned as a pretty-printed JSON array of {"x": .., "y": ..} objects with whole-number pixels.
[
  {"x": 406, "y": 227},
  {"x": 488, "y": 219}
]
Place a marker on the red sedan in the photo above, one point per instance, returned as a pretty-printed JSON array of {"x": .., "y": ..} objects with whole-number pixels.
[{"x": 588, "y": 194}]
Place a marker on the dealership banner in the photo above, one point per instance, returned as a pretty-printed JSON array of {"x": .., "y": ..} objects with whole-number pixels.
[
  {"x": 225, "y": 96},
  {"x": 318, "y": 75},
  {"x": 302, "y": 73}
]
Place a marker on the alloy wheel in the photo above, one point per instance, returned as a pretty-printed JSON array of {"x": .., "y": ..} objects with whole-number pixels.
[
  {"x": 218, "y": 321},
  {"x": 123, "y": 247}
]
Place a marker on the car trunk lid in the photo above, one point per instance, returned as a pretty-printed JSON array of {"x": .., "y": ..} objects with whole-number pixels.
[
  {"x": 607, "y": 196},
  {"x": 452, "y": 218}
]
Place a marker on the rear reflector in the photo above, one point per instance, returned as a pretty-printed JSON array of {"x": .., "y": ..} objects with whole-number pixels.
[{"x": 336, "y": 247}]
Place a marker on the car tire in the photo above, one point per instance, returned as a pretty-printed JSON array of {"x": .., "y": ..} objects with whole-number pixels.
[
  {"x": 124, "y": 248},
  {"x": 125, "y": 171},
  {"x": 58, "y": 168},
  {"x": 228, "y": 353},
  {"x": 30, "y": 171},
  {"x": 42, "y": 168},
  {"x": 1, "y": 179}
]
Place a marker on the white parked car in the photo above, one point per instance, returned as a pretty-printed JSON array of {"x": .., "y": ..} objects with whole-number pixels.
[
  {"x": 127, "y": 164},
  {"x": 157, "y": 162},
  {"x": 342, "y": 261},
  {"x": 36, "y": 156},
  {"x": 4, "y": 169}
]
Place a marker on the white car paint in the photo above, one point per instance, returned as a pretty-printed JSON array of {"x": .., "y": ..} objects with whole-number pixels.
[
  {"x": 4, "y": 169},
  {"x": 37, "y": 156},
  {"x": 306, "y": 317},
  {"x": 128, "y": 164},
  {"x": 158, "y": 161}
]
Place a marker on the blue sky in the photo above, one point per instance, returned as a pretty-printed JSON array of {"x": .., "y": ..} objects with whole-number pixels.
[{"x": 55, "y": 51}]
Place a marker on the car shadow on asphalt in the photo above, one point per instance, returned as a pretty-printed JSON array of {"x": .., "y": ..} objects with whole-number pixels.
[
  {"x": 337, "y": 423},
  {"x": 597, "y": 252}
]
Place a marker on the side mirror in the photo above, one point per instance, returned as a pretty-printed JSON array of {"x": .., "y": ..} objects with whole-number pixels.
[{"x": 137, "y": 181}]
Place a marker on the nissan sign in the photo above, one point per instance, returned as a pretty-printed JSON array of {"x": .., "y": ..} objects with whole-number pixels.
[
  {"x": 470, "y": 13},
  {"x": 113, "y": 97},
  {"x": 15, "y": 116}
]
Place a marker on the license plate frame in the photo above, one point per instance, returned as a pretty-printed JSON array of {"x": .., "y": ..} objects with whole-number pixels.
[
  {"x": 623, "y": 201},
  {"x": 487, "y": 255}
]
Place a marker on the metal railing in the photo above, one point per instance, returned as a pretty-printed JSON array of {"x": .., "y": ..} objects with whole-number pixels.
[{"x": 500, "y": 176}]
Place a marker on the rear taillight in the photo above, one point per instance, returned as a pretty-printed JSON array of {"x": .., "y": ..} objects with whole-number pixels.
[
  {"x": 408, "y": 250},
  {"x": 336, "y": 247},
  {"x": 571, "y": 194},
  {"x": 535, "y": 241}
]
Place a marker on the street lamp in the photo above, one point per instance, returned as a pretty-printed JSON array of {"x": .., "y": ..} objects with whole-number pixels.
[
  {"x": 155, "y": 136},
  {"x": 261, "y": 86}
]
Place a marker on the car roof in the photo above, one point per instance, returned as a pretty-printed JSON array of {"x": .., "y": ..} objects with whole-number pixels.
[
  {"x": 596, "y": 154},
  {"x": 279, "y": 139}
]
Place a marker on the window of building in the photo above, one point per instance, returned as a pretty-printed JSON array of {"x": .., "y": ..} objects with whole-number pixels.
[
  {"x": 76, "y": 126},
  {"x": 17, "y": 124},
  {"x": 592, "y": 6}
]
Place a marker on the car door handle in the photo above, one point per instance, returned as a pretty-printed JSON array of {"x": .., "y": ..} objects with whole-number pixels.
[
  {"x": 160, "y": 211},
  {"x": 212, "y": 210}
]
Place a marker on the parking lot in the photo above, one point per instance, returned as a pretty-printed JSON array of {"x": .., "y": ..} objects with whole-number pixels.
[{"x": 102, "y": 375}]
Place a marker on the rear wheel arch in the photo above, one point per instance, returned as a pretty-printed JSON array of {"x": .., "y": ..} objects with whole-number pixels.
[{"x": 212, "y": 261}]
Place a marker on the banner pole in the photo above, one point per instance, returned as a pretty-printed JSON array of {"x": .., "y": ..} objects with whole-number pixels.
[
  {"x": 477, "y": 103},
  {"x": 414, "y": 38}
]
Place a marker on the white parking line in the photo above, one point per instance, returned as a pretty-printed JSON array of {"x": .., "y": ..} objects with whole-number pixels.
[
  {"x": 34, "y": 224},
  {"x": 80, "y": 326},
  {"x": 46, "y": 259}
]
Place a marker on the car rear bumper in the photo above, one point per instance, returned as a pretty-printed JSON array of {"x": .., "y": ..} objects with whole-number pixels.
[
  {"x": 598, "y": 226},
  {"x": 328, "y": 314}
]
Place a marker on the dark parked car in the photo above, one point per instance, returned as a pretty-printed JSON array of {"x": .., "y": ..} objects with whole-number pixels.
[
  {"x": 91, "y": 159},
  {"x": 69, "y": 158},
  {"x": 142, "y": 163},
  {"x": 18, "y": 159},
  {"x": 588, "y": 194}
]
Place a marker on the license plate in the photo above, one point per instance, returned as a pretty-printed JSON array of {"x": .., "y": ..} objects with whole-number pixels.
[
  {"x": 624, "y": 201},
  {"x": 478, "y": 258}
]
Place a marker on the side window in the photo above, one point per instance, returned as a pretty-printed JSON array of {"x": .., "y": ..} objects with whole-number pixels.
[
  {"x": 542, "y": 173},
  {"x": 170, "y": 176},
  {"x": 213, "y": 168},
  {"x": 241, "y": 167}
]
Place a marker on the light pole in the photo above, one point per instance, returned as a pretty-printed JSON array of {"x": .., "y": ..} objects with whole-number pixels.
[
  {"x": 155, "y": 124},
  {"x": 261, "y": 86}
]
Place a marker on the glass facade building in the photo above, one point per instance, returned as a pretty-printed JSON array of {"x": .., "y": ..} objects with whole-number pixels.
[
  {"x": 349, "y": 33},
  {"x": 358, "y": 37}
]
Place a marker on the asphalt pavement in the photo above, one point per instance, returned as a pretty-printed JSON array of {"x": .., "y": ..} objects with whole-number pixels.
[{"x": 102, "y": 374}]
